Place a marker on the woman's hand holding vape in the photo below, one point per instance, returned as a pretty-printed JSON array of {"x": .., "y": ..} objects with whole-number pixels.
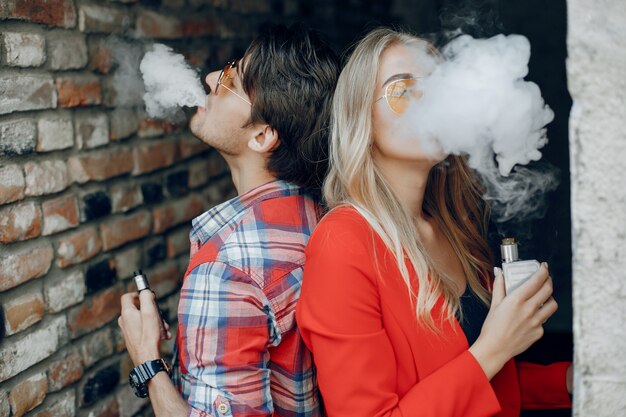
[
  {"x": 140, "y": 322},
  {"x": 514, "y": 322}
]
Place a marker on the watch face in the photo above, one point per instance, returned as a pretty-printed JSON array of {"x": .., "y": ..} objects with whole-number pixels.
[
  {"x": 140, "y": 389},
  {"x": 133, "y": 380}
]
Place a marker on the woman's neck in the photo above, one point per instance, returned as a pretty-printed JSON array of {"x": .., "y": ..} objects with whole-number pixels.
[{"x": 408, "y": 179}]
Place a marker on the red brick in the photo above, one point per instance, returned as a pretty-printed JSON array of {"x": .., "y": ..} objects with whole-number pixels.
[
  {"x": 164, "y": 279},
  {"x": 125, "y": 196},
  {"x": 153, "y": 156},
  {"x": 92, "y": 129},
  {"x": 149, "y": 128},
  {"x": 118, "y": 231},
  {"x": 83, "y": 90},
  {"x": 24, "y": 91},
  {"x": 158, "y": 26},
  {"x": 102, "y": 19},
  {"x": 127, "y": 261},
  {"x": 219, "y": 191},
  {"x": 11, "y": 184},
  {"x": 200, "y": 26},
  {"x": 177, "y": 212},
  {"x": 5, "y": 407},
  {"x": 95, "y": 313},
  {"x": 28, "y": 394},
  {"x": 78, "y": 247},
  {"x": 55, "y": 133},
  {"x": 96, "y": 347},
  {"x": 45, "y": 177},
  {"x": 123, "y": 122},
  {"x": 110, "y": 408},
  {"x": 190, "y": 146},
  {"x": 17, "y": 137},
  {"x": 18, "y": 354},
  {"x": 199, "y": 57},
  {"x": 22, "y": 312},
  {"x": 65, "y": 371},
  {"x": 50, "y": 12},
  {"x": 59, "y": 214},
  {"x": 62, "y": 405},
  {"x": 129, "y": 404},
  {"x": 199, "y": 173},
  {"x": 19, "y": 267},
  {"x": 24, "y": 49},
  {"x": 67, "y": 50},
  {"x": 100, "y": 165},
  {"x": 178, "y": 242},
  {"x": 20, "y": 222},
  {"x": 117, "y": 94},
  {"x": 64, "y": 291},
  {"x": 217, "y": 165}
]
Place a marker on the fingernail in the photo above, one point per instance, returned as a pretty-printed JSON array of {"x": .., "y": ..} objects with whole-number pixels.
[{"x": 496, "y": 271}]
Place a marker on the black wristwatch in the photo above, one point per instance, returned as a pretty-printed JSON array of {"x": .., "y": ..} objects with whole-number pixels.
[{"x": 140, "y": 375}]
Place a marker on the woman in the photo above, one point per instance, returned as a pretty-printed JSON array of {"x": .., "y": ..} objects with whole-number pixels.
[{"x": 394, "y": 303}]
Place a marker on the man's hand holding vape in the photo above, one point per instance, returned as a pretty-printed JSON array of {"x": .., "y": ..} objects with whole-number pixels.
[
  {"x": 143, "y": 329},
  {"x": 141, "y": 326}
]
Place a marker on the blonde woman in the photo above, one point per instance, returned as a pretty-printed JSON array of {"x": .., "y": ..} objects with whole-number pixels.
[{"x": 397, "y": 304}]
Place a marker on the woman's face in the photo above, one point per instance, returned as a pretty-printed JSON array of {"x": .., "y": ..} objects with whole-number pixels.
[{"x": 399, "y": 72}]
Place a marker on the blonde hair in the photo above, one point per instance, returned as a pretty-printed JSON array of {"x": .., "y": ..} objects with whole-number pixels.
[{"x": 452, "y": 197}]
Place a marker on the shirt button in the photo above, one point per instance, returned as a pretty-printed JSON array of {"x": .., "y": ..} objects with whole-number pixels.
[{"x": 222, "y": 408}]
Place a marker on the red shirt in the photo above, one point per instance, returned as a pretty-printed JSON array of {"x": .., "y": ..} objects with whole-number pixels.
[
  {"x": 372, "y": 356},
  {"x": 239, "y": 351}
]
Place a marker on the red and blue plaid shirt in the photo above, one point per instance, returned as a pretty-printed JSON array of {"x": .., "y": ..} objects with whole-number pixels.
[{"x": 239, "y": 352}]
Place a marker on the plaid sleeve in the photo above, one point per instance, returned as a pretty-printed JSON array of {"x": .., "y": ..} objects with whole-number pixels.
[{"x": 227, "y": 326}]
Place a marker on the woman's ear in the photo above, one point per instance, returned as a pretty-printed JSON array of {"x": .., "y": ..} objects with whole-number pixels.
[{"x": 265, "y": 140}]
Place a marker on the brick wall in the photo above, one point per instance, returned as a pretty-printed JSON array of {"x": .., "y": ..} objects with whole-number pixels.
[{"x": 91, "y": 189}]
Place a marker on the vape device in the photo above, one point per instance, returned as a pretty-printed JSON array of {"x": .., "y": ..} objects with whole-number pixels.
[
  {"x": 141, "y": 281},
  {"x": 515, "y": 271}
]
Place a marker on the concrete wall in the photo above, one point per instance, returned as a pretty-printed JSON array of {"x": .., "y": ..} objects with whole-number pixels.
[{"x": 596, "y": 69}]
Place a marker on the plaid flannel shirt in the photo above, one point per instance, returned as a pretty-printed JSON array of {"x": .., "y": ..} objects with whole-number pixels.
[{"x": 238, "y": 351}]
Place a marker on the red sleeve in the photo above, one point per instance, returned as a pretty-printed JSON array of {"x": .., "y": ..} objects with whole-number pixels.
[
  {"x": 340, "y": 320},
  {"x": 543, "y": 386}
]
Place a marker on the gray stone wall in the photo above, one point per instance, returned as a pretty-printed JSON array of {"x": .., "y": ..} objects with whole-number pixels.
[{"x": 596, "y": 68}]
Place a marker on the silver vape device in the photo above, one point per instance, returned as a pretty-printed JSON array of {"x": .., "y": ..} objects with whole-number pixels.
[
  {"x": 142, "y": 284},
  {"x": 515, "y": 271}
]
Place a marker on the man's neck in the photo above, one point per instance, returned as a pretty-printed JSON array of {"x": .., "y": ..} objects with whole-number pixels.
[{"x": 248, "y": 174}]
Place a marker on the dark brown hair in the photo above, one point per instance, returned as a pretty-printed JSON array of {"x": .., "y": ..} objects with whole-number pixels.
[{"x": 290, "y": 75}]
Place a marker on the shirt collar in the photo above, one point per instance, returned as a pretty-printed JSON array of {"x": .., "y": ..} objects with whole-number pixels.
[{"x": 206, "y": 225}]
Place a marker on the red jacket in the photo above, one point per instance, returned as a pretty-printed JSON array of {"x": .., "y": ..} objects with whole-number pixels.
[{"x": 373, "y": 358}]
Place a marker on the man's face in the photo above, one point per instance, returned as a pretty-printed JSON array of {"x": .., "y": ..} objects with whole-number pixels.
[{"x": 227, "y": 109}]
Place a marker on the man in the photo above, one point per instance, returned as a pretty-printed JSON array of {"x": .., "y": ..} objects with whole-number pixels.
[{"x": 238, "y": 347}]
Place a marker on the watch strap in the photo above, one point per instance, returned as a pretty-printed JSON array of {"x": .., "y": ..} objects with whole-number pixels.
[
  {"x": 149, "y": 369},
  {"x": 141, "y": 374}
]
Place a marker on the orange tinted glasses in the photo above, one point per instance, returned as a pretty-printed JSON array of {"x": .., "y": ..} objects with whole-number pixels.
[
  {"x": 226, "y": 80},
  {"x": 399, "y": 93}
]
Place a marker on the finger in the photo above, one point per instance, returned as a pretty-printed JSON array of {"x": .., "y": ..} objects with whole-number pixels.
[
  {"x": 147, "y": 300},
  {"x": 547, "y": 310},
  {"x": 128, "y": 300},
  {"x": 544, "y": 293},
  {"x": 533, "y": 284},
  {"x": 498, "y": 287}
]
